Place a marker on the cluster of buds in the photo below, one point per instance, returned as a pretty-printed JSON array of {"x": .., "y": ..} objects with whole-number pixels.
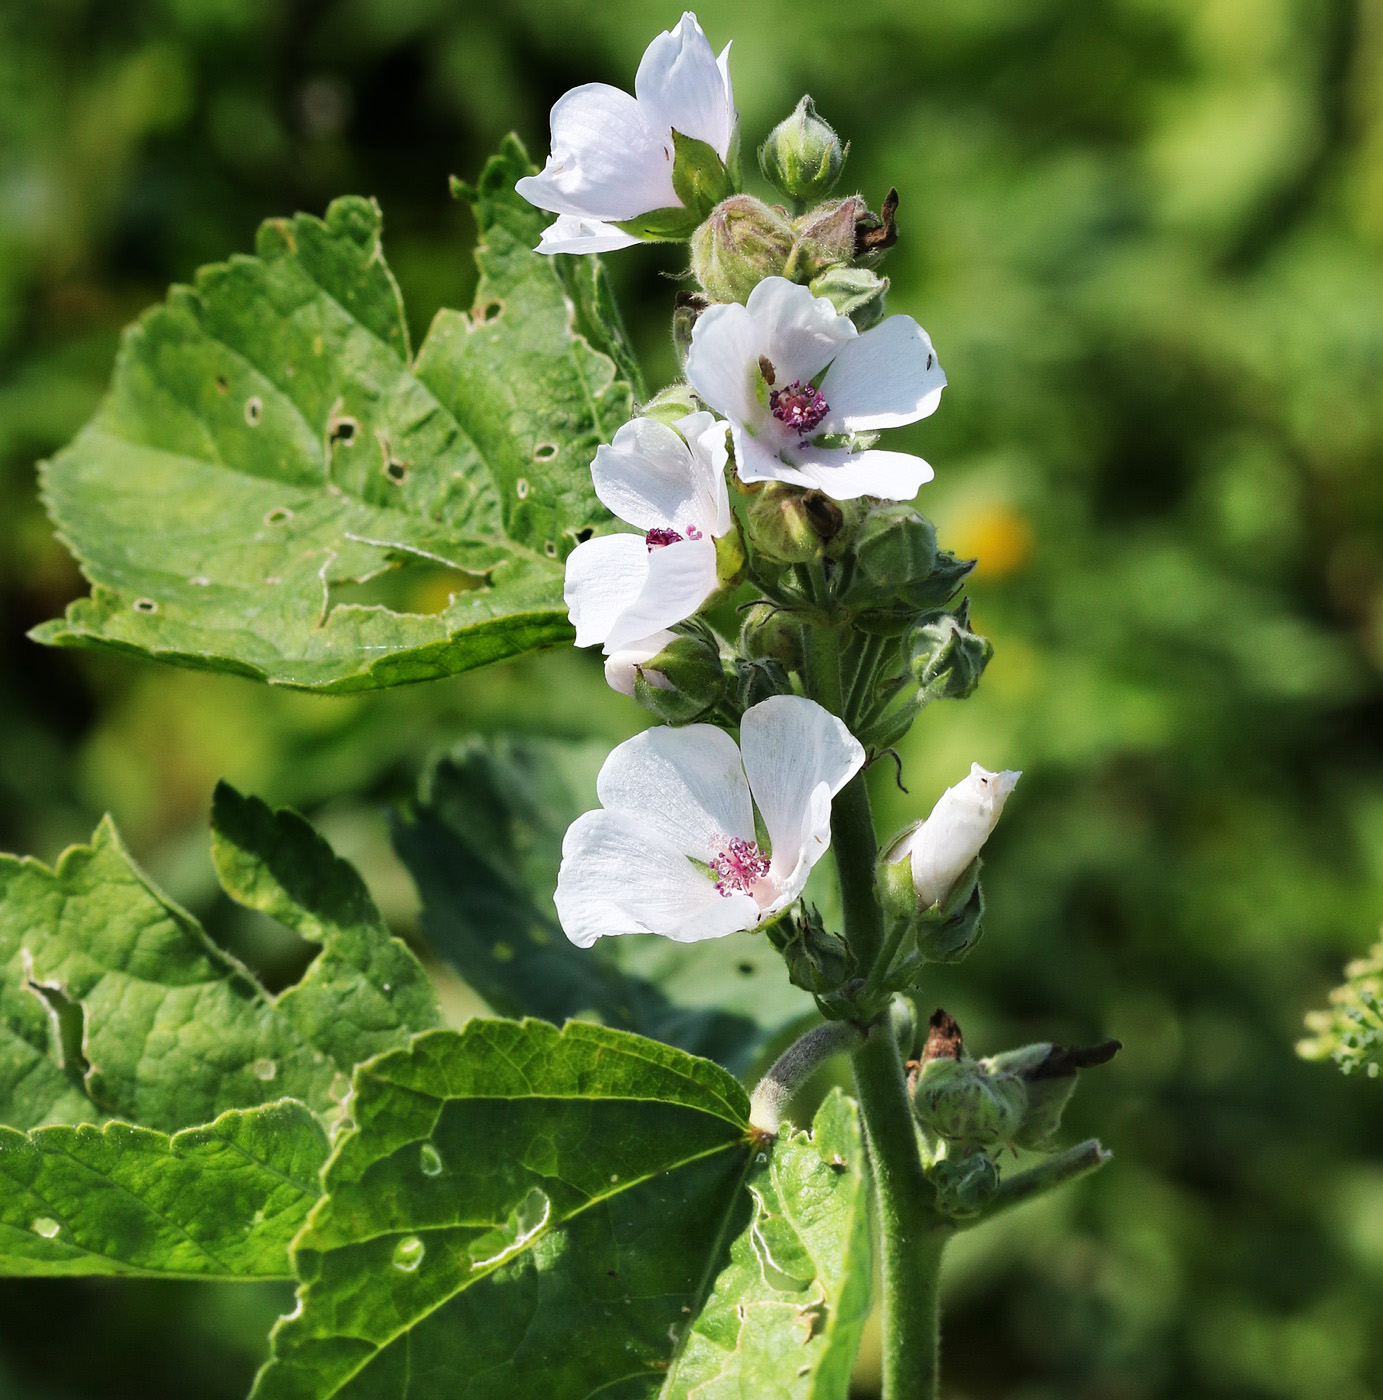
[
  {"x": 971, "y": 1110},
  {"x": 830, "y": 247}
]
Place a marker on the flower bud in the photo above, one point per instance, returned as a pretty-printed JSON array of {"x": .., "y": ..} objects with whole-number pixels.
[
  {"x": 803, "y": 156},
  {"x": 895, "y": 554},
  {"x": 682, "y": 682},
  {"x": 742, "y": 242},
  {"x": 964, "y": 1185},
  {"x": 826, "y": 237},
  {"x": 790, "y": 526},
  {"x": 855, "y": 292},
  {"x": 770, "y": 632},
  {"x": 759, "y": 679},
  {"x": 942, "y": 933},
  {"x": 672, "y": 404},
  {"x": 818, "y": 960},
  {"x": 945, "y": 657},
  {"x": 957, "y": 1101},
  {"x": 942, "y": 848}
]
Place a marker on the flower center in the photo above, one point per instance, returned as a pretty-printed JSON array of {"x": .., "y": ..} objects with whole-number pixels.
[
  {"x": 658, "y": 537},
  {"x": 738, "y": 866},
  {"x": 799, "y": 406}
]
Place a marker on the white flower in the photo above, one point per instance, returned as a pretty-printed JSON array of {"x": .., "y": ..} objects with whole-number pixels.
[
  {"x": 761, "y": 365},
  {"x": 674, "y": 849},
  {"x": 944, "y": 845},
  {"x": 670, "y": 483},
  {"x": 612, "y": 154}
]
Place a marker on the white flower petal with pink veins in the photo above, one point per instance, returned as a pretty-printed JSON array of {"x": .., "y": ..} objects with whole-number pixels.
[
  {"x": 612, "y": 154},
  {"x": 669, "y": 482},
  {"x": 674, "y": 848},
  {"x": 787, "y": 369}
]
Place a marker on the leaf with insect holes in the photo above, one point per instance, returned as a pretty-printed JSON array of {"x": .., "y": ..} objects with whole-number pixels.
[
  {"x": 523, "y": 1213},
  {"x": 483, "y": 843},
  {"x": 115, "y": 1004},
  {"x": 276, "y": 486}
]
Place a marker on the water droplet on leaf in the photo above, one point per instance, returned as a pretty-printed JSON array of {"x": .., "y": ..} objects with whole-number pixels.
[
  {"x": 46, "y": 1226},
  {"x": 431, "y": 1160},
  {"x": 265, "y": 1069}
]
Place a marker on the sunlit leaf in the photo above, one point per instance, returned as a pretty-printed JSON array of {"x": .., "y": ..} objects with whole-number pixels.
[
  {"x": 276, "y": 486},
  {"x": 527, "y": 1212},
  {"x": 115, "y": 1004},
  {"x": 220, "y": 1201}
]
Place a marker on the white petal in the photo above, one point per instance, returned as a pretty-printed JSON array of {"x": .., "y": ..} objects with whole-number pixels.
[
  {"x": 656, "y": 477},
  {"x": 622, "y": 665},
  {"x": 681, "y": 86},
  {"x": 960, "y": 823},
  {"x": 755, "y": 460},
  {"x": 722, "y": 365},
  {"x": 845, "y": 475},
  {"x": 887, "y": 377},
  {"x": 617, "y": 878},
  {"x": 608, "y": 161},
  {"x": 799, "y": 333},
  {"x": 685, "y": 787},
  {"x": 710, "y": 452},
  {"x": 573, "y": 234},
  {"x": 605, "y": 577},
  {"x": 791, "y": 746},
  {"x": 680, "y": 578}
]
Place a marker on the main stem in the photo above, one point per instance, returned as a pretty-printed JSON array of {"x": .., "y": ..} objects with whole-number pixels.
[{"x": 913, "y": 1237}]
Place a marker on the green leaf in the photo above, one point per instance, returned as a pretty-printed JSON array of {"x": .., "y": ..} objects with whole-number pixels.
[
  {"x": 483, "y": 844},
  {"x": 527, "y": 1212},
  {"x": 116, "y": 1004},
  {"x": 220, "y": 1201},
  {"x": 1350, "y": 1030},
  {"x": 275, "y": 487},
  {"x": 785, "y": 1315}
]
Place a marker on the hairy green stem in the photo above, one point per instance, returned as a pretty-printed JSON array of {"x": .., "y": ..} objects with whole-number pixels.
[
  {"x": 794, "y": 1066},
  {"x": 912, "y": 1235}
]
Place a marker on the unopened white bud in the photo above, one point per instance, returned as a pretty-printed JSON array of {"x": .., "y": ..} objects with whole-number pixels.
[
  {"x": 944, "y": 845},
  {"x": 624, "y": 665}
]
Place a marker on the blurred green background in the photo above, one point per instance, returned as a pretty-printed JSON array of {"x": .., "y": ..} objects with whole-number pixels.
[{"x": 1145, "y": 236}]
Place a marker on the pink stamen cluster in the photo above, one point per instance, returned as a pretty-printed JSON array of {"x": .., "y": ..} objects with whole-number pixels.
[
  {"x": 799, "y": 406},
  {"x": 738, "y": 866},
  {"x": 657, "y": 538}
]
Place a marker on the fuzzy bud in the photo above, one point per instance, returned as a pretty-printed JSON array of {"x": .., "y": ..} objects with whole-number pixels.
[
  {"x": 945, "y": 657},
  {"x": 895, "y": 555},
  {"x": 855, "y": 292},
  {"x": 770, "y": 632},
  {"x": 964, "y": 1185},
  {"x": 744, "y": 241},
  {"x": 787, "y": 525},
  {"x": 682, "y": 682},
  {"x": 818, "y": 960},
  {"x": 672, "y": 404},
  {"x": 957, "y": 1101},
  {"x": 759, "y": 679},
  {"x": 826, "y": 237},
  {"x": 803, "y": 157},
  {"x": 943, "y": 932}
]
